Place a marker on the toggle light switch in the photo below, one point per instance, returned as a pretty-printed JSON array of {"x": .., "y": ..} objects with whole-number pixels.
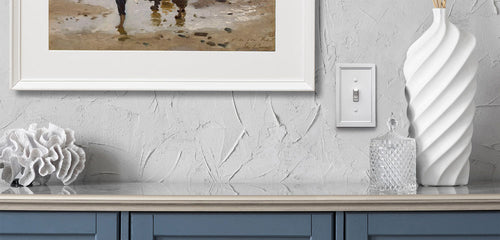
[{"x": 356, "y": 95}]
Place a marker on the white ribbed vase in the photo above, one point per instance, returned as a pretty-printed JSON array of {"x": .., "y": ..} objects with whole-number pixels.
[{"x": 440, "y": 89}]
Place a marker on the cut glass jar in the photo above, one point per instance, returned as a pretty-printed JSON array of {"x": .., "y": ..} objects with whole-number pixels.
[{"x": 393, "y": 162}]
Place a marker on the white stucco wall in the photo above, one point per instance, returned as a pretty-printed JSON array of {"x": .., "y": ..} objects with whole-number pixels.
[{"x": 260, "y": 136}]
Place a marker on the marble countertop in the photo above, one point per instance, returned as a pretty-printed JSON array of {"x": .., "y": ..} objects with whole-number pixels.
[{"x": 244, "y": 197}]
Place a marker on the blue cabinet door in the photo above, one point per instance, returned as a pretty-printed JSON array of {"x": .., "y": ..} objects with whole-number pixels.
[
  {"x": 422, "y": 226},
  {"x": 58, "y": 226},
  {"x": 241, "y": 226}
]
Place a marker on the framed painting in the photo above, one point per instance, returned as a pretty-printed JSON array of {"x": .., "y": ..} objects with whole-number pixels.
[{"x": 163, "y": 45}]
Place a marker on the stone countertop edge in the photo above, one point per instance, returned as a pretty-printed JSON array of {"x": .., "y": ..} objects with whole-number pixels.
[{"x": 296, "y": 203}]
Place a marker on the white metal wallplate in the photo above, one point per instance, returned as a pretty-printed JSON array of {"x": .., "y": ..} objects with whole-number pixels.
[{"x": 356, "y": 95}]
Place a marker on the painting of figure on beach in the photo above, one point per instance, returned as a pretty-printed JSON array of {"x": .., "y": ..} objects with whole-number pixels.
[{"x": 162, "y": 25}]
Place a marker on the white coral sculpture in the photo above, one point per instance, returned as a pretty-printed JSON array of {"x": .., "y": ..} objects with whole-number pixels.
[{"x": 36, "y": 153}]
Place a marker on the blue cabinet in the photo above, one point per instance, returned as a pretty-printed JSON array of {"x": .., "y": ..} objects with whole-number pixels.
[
  {"x": 422, "y": 225},
  {"x": 240, "y": 226},
  {"x": 58, "y": 226},
  {"x": 250, "y": 226}
]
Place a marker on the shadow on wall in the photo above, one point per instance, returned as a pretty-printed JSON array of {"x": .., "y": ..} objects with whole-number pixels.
[{"x": 106, "y": 163}]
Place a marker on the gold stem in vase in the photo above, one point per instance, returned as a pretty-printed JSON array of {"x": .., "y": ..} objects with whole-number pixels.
[{"x": 439, "y": 3}]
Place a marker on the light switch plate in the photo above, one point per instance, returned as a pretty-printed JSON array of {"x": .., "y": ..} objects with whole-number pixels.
[{"x": 356, "y": 95}]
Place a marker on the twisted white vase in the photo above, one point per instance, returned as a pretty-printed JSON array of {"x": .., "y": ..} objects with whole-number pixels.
[{"x": 440, "y": 88}]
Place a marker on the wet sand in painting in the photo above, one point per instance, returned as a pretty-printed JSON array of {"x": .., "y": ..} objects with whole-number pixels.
[{"x": 190, "y": 25}]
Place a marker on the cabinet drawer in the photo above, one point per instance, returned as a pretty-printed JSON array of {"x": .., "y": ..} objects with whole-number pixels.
[
  {"x": 207, "y": 226},
  {"x": 58, "y": 225},
  {"x": 422, "y": 225}
]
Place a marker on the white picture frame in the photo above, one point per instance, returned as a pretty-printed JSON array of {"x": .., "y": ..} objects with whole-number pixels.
[{"x": 34, "y": 68}]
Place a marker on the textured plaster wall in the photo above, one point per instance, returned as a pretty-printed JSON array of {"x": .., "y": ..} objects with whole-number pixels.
[{"x": 266, "y": 137}]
